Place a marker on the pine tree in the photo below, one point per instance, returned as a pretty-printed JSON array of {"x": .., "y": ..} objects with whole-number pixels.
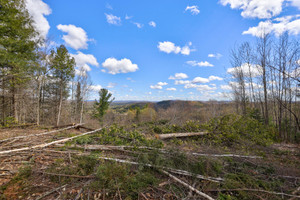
[
  {"x": 18, "y": 42},
  {"x": 63, "y": 70},
  {"x": 101, "y": 106}
]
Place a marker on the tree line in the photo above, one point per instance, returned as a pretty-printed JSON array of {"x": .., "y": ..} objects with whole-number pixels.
[
  {"x": 37, "y": 80},
  {"x": 265, "y": 78}
]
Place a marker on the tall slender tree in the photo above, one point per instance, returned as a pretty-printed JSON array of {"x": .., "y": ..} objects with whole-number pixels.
[
  {"x": 62, "y": 69},
  {"x": 18, "y": 42}
]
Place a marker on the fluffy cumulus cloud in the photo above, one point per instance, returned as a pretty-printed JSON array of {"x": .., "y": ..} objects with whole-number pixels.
[
  {"x": 199, "y": 64},
  {"x": 158, "y": 86},
  {"x": 178, "y": 76},
  {"x": 290, "y": 24},
  {"x": 115, "y": 66},
  {"x": 76, "y": 37},
  {"x": 262, "y": 9},
  {"x": 170, "y": 47},
  {"x": 171, "y": 89},
  {"x": 112, "y": 19},
  {"x": 225, "y": 87},
  {"x": 193, "y": 9},
  {"x": 200, "y": 80},
  {"x": 217, "y": 55},
  {"x": 215, "y": 78},
  {"x": 38, "y": 10},
  {"x": 248, "y": 70},
  {"x": 95, "y": 88},
  {"x": 152, "y": 23},
  {"x": 181, "y": 82},
  {"x": 83, "y": 61}
]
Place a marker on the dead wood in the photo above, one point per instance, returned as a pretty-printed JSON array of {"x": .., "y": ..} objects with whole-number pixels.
[
  {"x": 111, "y": 147},
  {"x": 187, "y": 185},
  {"x": 177, "y": 135},
  {"x": 39, "y": 134},
  {"x": 48, "y": 144},
  {"x": 50, "y": 192}
]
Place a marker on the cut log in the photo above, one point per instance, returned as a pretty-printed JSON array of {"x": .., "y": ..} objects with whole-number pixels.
[
  {"x": 111, "y": 147},
  {"x": 177, "y": 135},
  {"x": 187, "y": 185},
  {"x": 39, "y": 134},
  {"x": 48, "y": 144}
]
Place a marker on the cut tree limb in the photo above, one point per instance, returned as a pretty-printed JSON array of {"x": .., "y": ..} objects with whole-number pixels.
[
  {"x": 176, "y": 171},
  {"x": 50, "y": 192},
  {"x": 111, "y": 147},
  {"x": 39, "y": 134},
  {"x": 187, "y": 185},
  {"x": 48, "y": 144},
  {"x": 177, "y": 135}
]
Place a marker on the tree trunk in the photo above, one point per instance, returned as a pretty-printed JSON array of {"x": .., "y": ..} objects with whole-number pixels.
[{"x": 60, "y": 105}]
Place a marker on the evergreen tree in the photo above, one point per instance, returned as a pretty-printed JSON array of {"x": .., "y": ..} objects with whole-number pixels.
[
  {"x": 101, "y": 106},
  {"x": 63, "y": 70},
  {"x": 18, "y": 46}
]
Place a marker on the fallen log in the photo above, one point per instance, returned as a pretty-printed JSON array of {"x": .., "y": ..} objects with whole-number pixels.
[
  {"x": 177, "y": 135},
  {"x": 111, "y": 147},
  {"x": 84, "y": 127},
  {"x": 187, "y": 185},
  {"x": 39, "y": 134},
  {"x": 48, "y": 144},
  {"x": 176, "y": 171}
]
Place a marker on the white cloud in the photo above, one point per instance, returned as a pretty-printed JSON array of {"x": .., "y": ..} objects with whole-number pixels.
[
  {"x": 38, "y": 10},
  {"x": 171, "y": 89},
  {"x": 181, "y": 82},
  {"x": 139, "y": 25},
  {"x": 262, "y": 9},
  {"x": 247, "y": 70},
  {"x": 76, "y": 37},
  {"x": 152, "y": 23},
  {"x": 194, "y": 9},
  {"x": 111, "y": 85},
  {"x": 205, "y": 88},
  {"x": 115, "y": 66},
  {"x": 159, "y": 85},
  {"x": 178, "y": 76},
  {"x": 217, "y": 55},
  {"x": 95, "y": 88},
  {"x": 278, "y": 26},
  {"x": 84, "y": 60},
  {"x": 225, "y": 87},
  {"x": 296, "y": 3},
  {"x": 111, "y": 19},
  {"x": 213, "y": 78},
  {"x": 170, "y": 47},
  {"x": 200, "y": 80},
  {"x": 200, "y": 64}
]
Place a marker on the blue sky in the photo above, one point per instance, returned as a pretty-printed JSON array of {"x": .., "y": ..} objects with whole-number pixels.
[{"x": 135, "y": 48}]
